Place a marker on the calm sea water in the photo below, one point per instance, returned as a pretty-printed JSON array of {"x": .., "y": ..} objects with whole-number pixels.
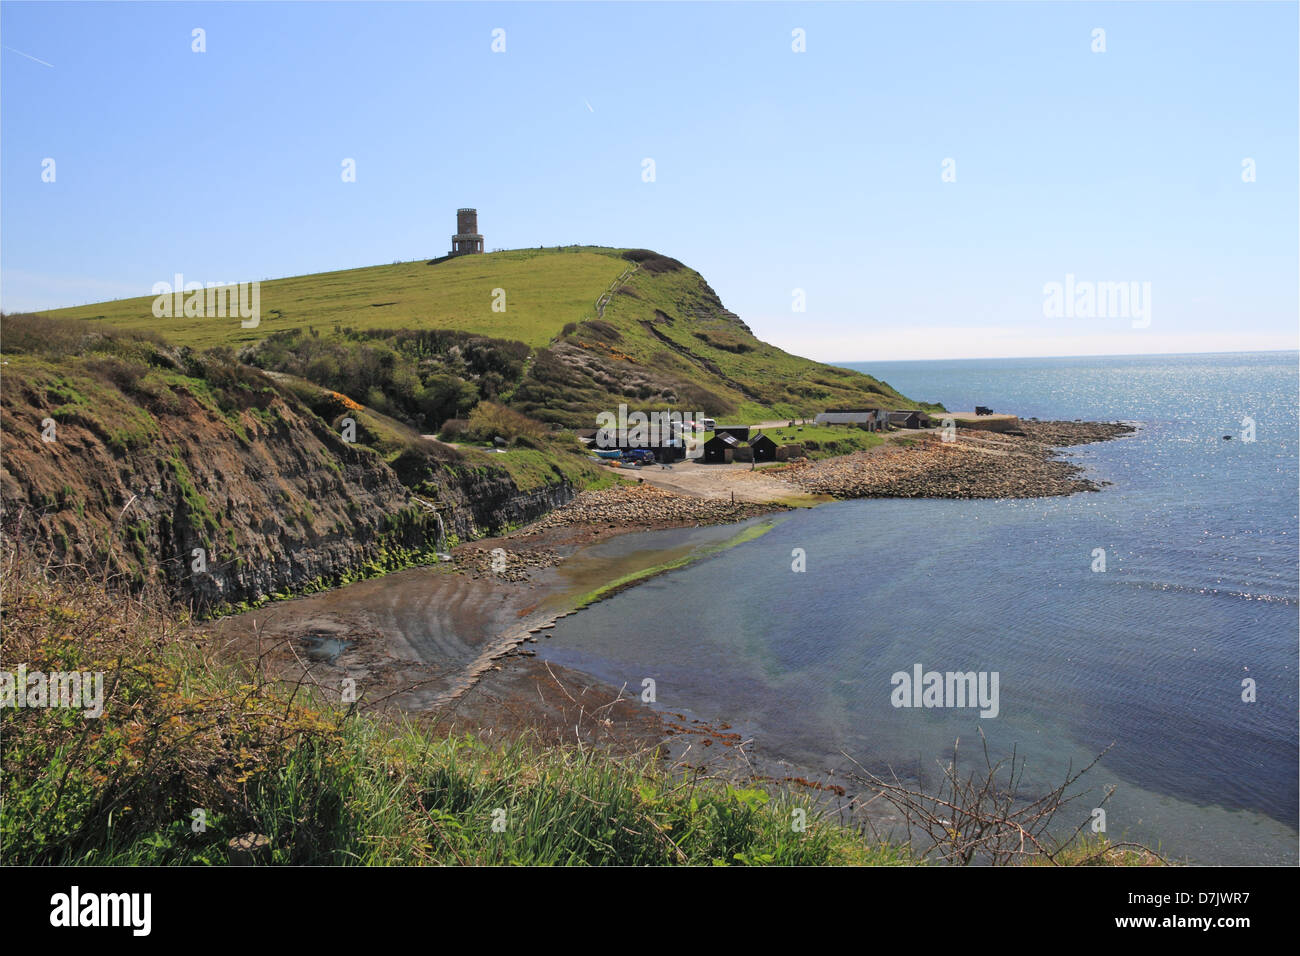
[{"x": 1199, "y": 593}]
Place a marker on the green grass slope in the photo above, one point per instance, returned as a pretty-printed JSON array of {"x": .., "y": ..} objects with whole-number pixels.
[
  {"x": 660, "y": 340},
  {"x": 543, "y": 290}
]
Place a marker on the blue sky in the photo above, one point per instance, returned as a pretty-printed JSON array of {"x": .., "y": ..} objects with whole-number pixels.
[{"x": 774, "y": 170}]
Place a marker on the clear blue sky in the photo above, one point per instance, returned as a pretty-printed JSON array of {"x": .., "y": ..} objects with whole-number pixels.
[{"x": 775, "y": 170}]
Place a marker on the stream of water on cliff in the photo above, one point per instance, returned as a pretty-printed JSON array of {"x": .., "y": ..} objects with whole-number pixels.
[{"x": 1199, "y": 594}]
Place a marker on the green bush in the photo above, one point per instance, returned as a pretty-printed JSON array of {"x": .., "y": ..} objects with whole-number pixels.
[
  {"x": 421, "y": 377},
  {"x": 490, "y": 420}
]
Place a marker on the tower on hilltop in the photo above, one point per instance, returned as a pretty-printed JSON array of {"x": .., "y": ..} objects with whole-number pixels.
[{"x": 467, "y": 240}]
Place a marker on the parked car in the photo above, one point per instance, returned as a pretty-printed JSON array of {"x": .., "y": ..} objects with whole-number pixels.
[{"x": 641, "y": 456}]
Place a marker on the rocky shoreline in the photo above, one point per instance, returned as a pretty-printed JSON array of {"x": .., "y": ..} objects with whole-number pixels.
[
  {"x": 644, "y": 507},
  {"x": 975, "y": 464},
  {"x": 491, "y": 605}
]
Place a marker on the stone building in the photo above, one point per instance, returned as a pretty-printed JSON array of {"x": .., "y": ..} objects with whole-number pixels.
[{"x": 467, "y": 240}]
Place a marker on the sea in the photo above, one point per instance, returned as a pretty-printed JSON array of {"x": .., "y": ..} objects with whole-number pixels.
[{"x": 1154, "y": 622}]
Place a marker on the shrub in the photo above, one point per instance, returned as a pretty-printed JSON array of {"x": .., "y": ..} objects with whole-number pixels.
[
  {"x": 602, "y": 331},
  {"x": 724, "y": 342},
  {"x": 124, "y": 375},
  {"x": 652, "y": 262},
  {"x": 490, "y": 420},
  {"x": 418, "y": 376},
  {"x": 26, "y": 332},
  {"x": 452, "y": 429}
]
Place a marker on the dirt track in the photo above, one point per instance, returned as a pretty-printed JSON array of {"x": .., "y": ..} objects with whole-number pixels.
[{"x": 721, "y": 482}]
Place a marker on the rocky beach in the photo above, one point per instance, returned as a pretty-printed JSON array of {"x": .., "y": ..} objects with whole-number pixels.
[{"x": 975, "y": 464}]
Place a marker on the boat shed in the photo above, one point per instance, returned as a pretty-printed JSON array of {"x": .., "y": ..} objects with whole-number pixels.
[
  {"x": 720, "y": 449},
  {"x": 764, "y": 448},
  {"x": 667, "y": 449}
]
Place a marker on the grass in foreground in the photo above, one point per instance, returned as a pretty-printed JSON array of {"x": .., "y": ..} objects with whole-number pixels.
[
  {"x": 184, "y": 738},
  {"x": 191, "y": 752}
]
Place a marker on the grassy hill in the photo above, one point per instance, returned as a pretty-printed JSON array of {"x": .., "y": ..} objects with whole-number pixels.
[
  {"x": 543, "y": 292},
  {"x": 422, "y": 342}
]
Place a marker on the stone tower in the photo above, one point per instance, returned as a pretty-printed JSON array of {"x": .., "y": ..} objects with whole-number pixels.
[{"x": 467, "y": 241}]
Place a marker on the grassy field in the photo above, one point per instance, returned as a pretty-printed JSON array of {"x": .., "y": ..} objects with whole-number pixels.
[
  {"x": 830, "y": 440},
  {"x": 457, "y": 294}
]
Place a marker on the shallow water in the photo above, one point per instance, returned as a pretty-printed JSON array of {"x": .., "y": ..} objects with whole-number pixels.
[
  {"x": 1199, "y": 593},
  {"x": 325, "y": 649},
  {"x": 596, "y": 565}
]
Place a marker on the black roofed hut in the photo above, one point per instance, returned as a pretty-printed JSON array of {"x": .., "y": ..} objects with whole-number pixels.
[
  {"x": 720, "y": 449},
  {"x": 764, "y": 448}
]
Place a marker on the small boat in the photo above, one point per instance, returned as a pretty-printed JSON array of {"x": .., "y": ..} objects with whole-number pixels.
[{"x": 613, "y": 453}]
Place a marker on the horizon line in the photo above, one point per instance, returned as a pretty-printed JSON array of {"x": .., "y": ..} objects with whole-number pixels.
[{"x": 1002, "y": 358}]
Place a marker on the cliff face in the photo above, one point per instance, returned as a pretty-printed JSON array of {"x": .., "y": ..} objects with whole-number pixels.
[
  {"x": 226, "y": 489},
  {"x": 474, "y": 503}
]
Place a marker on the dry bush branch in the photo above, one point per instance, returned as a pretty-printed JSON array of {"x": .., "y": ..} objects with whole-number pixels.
[{"x": 983, "y": 817}]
